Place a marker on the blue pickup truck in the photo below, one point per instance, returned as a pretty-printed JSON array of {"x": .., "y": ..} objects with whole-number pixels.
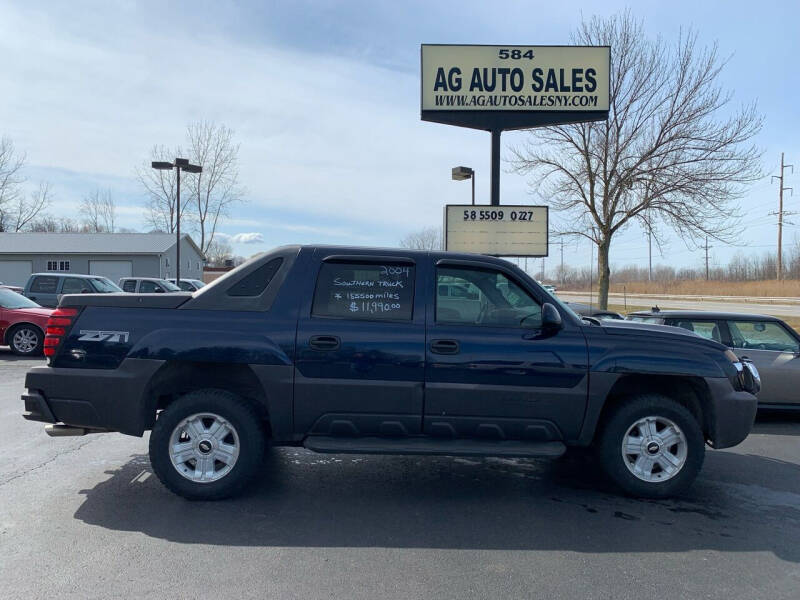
[{"x": 358, "y": 350}]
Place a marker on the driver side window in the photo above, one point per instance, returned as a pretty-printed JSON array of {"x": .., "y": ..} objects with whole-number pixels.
[
  {"x": 761, "y": 335},
  {"x": 469, "y": 296}
]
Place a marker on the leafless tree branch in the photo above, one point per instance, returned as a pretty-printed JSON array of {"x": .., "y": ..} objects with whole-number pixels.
[
  {"x": 429, "y": 238},
  {"x": 99, "y": 211},
  {"x": 672, "y": 151}
]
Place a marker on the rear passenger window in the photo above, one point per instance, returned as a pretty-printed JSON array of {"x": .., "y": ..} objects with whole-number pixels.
[
  {"x": 706, "y": 329},
  {"x": 376, "y": 292},
  {"x": 44, "y": 285},
  {"x": 129, "y": 286},
  {"x": 255, "y": 283}
]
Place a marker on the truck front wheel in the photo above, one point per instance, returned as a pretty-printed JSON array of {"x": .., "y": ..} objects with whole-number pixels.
[
  {"x": 651, "y": 446},
  {"x": 207, "y": 445}
]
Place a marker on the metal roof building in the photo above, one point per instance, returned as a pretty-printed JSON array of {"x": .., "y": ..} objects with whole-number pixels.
[{"x": 112, "y": 255}]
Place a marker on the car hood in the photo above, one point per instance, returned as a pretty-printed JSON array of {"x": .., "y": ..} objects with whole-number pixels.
[{"x": 635, "y": 328}]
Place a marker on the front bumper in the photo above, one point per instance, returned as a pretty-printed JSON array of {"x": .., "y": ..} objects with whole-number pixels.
[
  {"x": 108, "y": 399},
  {"x": 732, "y": 413}
]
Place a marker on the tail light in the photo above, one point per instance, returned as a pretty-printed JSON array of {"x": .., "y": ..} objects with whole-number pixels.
[{"x": 57, "y": 326}]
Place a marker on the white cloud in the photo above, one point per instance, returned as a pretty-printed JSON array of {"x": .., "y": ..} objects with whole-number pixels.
[
  {"x": 247, "y": 238},
  {"x": 331, "y": 138}
]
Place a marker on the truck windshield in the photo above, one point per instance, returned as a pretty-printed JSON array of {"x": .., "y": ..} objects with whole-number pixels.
[
  {"x": 104, "y": 286},
  {"x": 11, "y": 300},
  {"x": 170, "y": 286}
]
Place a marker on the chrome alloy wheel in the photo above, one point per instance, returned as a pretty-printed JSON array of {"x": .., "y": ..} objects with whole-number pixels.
[
  {"x": 204, "y": 447},
  {"x": 25, "y": 341},
  {"x": 654, "y": 449}
]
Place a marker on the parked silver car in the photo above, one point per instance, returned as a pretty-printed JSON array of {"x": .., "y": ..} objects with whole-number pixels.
[
  {"x": 147, "y": 285},
  {"x": 187, "y": 285},
  {"x": 772, "y": 346}
]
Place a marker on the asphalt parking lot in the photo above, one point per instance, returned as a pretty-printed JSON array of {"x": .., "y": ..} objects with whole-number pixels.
[{"x": 85, "y": 518}]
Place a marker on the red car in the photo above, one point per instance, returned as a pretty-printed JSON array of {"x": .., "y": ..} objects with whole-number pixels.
[{"x": 22, "y": 323}]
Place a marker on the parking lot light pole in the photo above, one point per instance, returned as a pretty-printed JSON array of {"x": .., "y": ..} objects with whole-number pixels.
[
  {"x": 180, "y": 164},
  {"x": 462, "y": 173}
]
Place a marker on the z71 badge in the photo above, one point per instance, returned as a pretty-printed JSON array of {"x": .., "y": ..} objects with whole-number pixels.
[{"x": 103, "y": 336}]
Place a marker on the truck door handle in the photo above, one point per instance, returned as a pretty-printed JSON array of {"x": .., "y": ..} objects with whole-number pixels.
[
  {"x": 444, "y": 347},
  {"x": 324, "y": 342}
]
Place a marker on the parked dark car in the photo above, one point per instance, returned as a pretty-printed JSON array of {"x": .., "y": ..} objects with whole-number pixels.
[
  {"x": 46, "y": 288},
  {"x": 585, "y": 310},
  {"x": 22, "y": 323},
  {"x": 147, "y": 285},
  {"x": 188, "y": 285},
  {"x": 348, "y": 350},
  {"x": 772, "y": 345}
]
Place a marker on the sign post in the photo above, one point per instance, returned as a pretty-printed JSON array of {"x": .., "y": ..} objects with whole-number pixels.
[{"x": 498, "y": 88}]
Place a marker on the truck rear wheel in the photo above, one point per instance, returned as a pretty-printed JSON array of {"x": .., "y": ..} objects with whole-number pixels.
[
  {"x": 651, "y": 446},
  {"x": 207, "y": 445}
]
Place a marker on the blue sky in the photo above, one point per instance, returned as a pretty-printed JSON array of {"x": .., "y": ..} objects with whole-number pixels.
[{"x": 324, "y": 99}]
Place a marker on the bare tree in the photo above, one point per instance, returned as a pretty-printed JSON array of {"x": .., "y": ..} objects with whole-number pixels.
[
  {"x": 218, "y": 251},
  {"x": 429, "y": 238},
  {"x": 162, "y": 210},
  {"x": 663, "y": 154},
  {"x": 26, "y": 209},
  {"x": 11, "y": 180},
  {"x": 18, "y": 209},
  {"x": 99, "y": 211},
  {"x": 217, "y": 188}
]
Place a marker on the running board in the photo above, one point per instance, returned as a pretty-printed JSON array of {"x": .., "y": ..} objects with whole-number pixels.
[{"x": 425, "y": 445}]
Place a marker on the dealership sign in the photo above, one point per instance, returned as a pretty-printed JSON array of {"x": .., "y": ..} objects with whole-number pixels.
[
  {"x": 496, "y": 230},
  {"x": 515, "y": 79}
]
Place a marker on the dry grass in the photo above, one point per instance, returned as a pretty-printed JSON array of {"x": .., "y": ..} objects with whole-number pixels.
[{"x": 789, "y": 288}]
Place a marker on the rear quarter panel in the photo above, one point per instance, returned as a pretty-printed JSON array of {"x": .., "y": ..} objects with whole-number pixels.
[{"x": 184, "y": 335}]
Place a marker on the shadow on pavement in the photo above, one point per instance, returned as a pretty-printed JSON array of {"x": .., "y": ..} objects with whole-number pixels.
[
  {"x": 778, "y": 422},
  {"x": 740, "y": 503},
  {"x": 6, "y": 355}
]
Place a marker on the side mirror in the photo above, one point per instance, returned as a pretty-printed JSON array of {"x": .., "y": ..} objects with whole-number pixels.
[{"x": 551, "y": 318}]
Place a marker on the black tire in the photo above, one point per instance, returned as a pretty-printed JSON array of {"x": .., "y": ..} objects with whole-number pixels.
[
  {"x": 30, "y": 330},
  {"x": 247, "y": 432},
  {"x": 617, "y": 424}
]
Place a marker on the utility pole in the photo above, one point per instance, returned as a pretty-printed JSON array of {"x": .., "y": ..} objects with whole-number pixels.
[
  {"x": 591, "y": 269},
  {"x": 707, "y": 246},
  {"x": 562, "y": 262},
  {"x": 781, "y": 188},
  {"x": 542, "y": 278}
]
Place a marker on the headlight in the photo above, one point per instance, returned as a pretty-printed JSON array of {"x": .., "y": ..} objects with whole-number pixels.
[
  {"x": 747, "y": 377},
  {"x": 731, "y": 356}
]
